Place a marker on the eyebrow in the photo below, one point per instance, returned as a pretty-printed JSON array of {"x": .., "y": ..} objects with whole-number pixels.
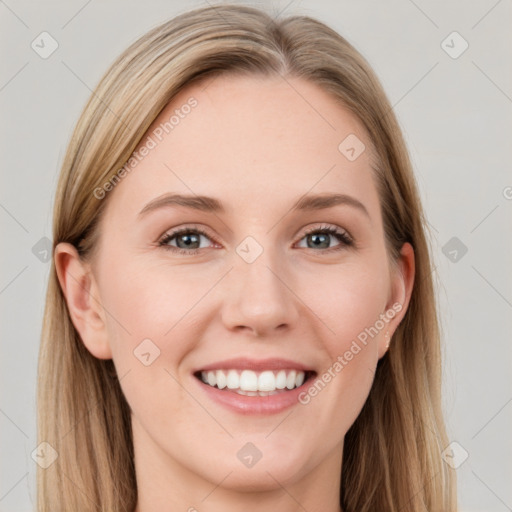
[
  {"x": 202, "y": 203},
  {"x": 210, "y": 204}
]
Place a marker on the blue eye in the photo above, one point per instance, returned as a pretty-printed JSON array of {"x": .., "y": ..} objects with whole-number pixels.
[
  {"x": 320, "y": 238},
  {"x": 187, "y": 240}
]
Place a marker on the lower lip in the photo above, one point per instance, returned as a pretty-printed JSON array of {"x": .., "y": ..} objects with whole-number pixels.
[{"x": 242, "y": 404}]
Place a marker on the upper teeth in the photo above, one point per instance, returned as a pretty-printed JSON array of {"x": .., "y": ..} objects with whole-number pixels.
[{"x": 247, "y": 380}]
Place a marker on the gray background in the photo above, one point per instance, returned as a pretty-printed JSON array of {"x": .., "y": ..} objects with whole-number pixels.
[{"x": 456, "y": 116}]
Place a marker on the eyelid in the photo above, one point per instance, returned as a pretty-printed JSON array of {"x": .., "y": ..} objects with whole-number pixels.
[{"x": 328, "y": 227}]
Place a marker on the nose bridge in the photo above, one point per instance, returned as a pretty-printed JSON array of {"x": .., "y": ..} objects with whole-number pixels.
[{"x": 257, "y": 296}]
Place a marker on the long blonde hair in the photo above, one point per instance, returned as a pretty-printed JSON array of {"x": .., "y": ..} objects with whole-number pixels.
[{"x": 392, "y": 453}]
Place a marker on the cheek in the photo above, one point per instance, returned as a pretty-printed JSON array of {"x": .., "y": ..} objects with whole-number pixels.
[
  {"x": 152, "y": 326},
  {"x": 148, "y": 302},
  {"x": 354, "y": 298},
  {"x": 348, "y": 300}
]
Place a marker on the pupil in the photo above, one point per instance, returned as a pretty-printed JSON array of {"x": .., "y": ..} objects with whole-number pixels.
[{"x": 188, "y": 240}]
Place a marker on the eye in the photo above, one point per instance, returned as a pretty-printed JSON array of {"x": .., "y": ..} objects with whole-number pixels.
[
  {"x": 188, "y": 240},
  {"x": 320, "y": 238},
  {"x": 184, "y": 241}
]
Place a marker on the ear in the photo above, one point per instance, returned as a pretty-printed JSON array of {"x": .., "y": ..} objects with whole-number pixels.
[
  {"x": 81, "y": 292},
  {"x": 402, "y": 282}
]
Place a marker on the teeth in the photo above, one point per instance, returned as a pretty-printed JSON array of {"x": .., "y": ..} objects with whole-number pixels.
[
  {"x": 232, "y": 380},
  {"x": 266, "y": 381},
  {"x": 248, "y": 381},
  {"x": 252, "y": 383},
  {"x": 290, "y": 379},
  {"x": 281, "y": 380},
  {"x": 222, "y": 380}
]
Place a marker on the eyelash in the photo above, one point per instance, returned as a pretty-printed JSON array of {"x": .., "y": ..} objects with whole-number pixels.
[{"x": 342, "y": 236}]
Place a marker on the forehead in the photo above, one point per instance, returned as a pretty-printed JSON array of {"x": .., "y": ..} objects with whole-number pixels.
[{"x": 251, "y": 140}]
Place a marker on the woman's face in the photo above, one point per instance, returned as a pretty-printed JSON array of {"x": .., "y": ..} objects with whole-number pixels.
[{"x": 240, "y": 275}]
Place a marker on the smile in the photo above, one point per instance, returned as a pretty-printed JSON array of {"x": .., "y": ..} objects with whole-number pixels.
[
  {"x": 253, "y": 383},
  {"x": 254, "y": 386}
]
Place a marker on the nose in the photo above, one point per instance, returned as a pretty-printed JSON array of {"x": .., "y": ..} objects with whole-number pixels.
[{"x": 259, "y": 298}]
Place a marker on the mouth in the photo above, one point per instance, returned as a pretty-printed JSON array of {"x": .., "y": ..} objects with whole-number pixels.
[
  {"x": 254, "y": 383},
  {"x": 254, "y": 387}
]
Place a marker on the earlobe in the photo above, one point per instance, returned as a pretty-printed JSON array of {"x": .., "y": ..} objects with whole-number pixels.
[
  {"x": 81, "y": 292},
  {"x": 401, "y": 291}
]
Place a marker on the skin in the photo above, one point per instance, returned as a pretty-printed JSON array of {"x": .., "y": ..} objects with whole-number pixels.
[{"x": 256, "y": 145}]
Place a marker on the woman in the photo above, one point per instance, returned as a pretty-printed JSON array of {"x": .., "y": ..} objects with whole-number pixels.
[{"x": 240, "y": 313}]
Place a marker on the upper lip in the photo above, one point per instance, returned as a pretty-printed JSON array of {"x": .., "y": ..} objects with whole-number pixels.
[{"x": 243, "y": 363}]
